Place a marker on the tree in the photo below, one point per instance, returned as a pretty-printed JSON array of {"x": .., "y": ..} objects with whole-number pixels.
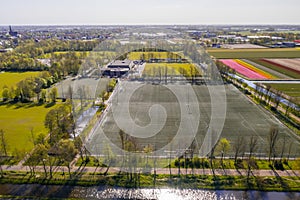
[
  {"x": 60, "y": 123},
  {"x": 37, "y": 88},
  {"x": 110, "y": 158},
  {"x": 283, "y": 147},
  {"x": 252, "y": 147},
  {"x": 78, "y": 144},
  {"x": 147, "y": 150},
  {"x": 66, "y": 152},
  {"x": 3, "y": 150},
  {"x": 82, "y": 95},
  {"x": 268, "y": 94},
  {"x": 238, "y": 147},
  {"x": 25, "y": 90},
  {"x": 50, "y": 123},
  {"x": 5, "y": 94},
  {"x": 288, "y": 107},
  {"x": 38, "y": 156},
  {"x": 43, "y": 98},
  {"x": 272, "y": 139},
  {"x": 3, "y": 142},
  {"x": 277, "y": 98},
  {"x": 53, "y": 94},
  {"x": 223, "y": 146}
]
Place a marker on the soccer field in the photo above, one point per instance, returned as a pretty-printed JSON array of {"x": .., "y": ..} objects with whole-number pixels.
[{"x": 243, "y": 119}]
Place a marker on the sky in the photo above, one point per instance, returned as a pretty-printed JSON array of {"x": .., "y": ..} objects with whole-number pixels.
[{"x": 105, "y": 12}]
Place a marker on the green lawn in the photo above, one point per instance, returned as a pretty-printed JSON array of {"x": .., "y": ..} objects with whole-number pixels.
[
  {"x": 10, "y": 79},
  {"x": 17, "y": 121},
  {"x": 254, "y": 53}
]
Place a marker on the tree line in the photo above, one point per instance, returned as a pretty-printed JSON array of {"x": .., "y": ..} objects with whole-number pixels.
[{"x": 32, "y": 88}]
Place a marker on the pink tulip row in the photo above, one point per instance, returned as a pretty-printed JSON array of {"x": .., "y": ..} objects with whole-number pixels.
[{"x": 242, "y": 70}]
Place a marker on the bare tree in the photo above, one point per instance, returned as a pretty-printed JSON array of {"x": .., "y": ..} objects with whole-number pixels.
[
  {"x": 272, "y": 139},
  {"x": 283, "y": 147},
  {"x": 268, "y": 94},
  {"x": 212, "y": 156},
  {"x": 290, "y": 150},
  {"x": 252, "y": 147},
  {"x": 82, "y": 95},
  {"x": 239, "y": 147},
  {"x": 192, "y": 152},
  {"x": 110, "y": 158},
  {"x": 288, "y": 107},
  {"x": 277, "y": 98}
]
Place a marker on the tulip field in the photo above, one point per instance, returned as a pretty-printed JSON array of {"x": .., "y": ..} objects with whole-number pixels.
[
  {"x": 265, "y": 69},
  {"x": 247, "y": 69},
  {"x": 289, "y": 64}
]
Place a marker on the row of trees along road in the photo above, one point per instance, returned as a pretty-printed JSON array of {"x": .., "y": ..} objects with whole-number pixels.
[{"x": 243, "y": 151}]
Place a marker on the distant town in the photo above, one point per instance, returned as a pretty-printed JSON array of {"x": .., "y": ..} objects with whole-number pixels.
[{"x": 280, "y": 36}]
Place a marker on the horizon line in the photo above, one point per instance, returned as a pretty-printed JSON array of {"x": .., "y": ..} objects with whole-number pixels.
[{"x": 162, "y": 24}]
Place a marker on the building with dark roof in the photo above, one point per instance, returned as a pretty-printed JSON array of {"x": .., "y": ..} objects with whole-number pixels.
[{"x": 117, "y": 68}]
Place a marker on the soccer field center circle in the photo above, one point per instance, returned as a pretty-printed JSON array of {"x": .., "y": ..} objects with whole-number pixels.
[{"x": 100, "y": 145}]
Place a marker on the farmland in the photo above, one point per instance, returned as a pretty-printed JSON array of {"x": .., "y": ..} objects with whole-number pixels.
[
  {"x": 17, "y": 121},
  {"x": 10, "y": 79},
  {"x": 264, "y": 68},
  {"x": 245, "y": 71},
  {"x": 254, "y": 53},
  {"x": 290, "y": 64},
  {"x": 282, "y": 70}
]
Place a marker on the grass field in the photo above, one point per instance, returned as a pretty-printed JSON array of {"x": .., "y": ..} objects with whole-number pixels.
[
  {"x": 290, "y": 89},
  {"x": 243, "y": 119},
  {"x": 186, "y": 69},
  {"x": 10, "y": 79},
  {"x": 17, "y": 120},
  {"x": 254, "y": 53}
]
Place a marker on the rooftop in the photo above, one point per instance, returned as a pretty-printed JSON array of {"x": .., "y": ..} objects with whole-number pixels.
[{"x": 124, "y": 63}]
